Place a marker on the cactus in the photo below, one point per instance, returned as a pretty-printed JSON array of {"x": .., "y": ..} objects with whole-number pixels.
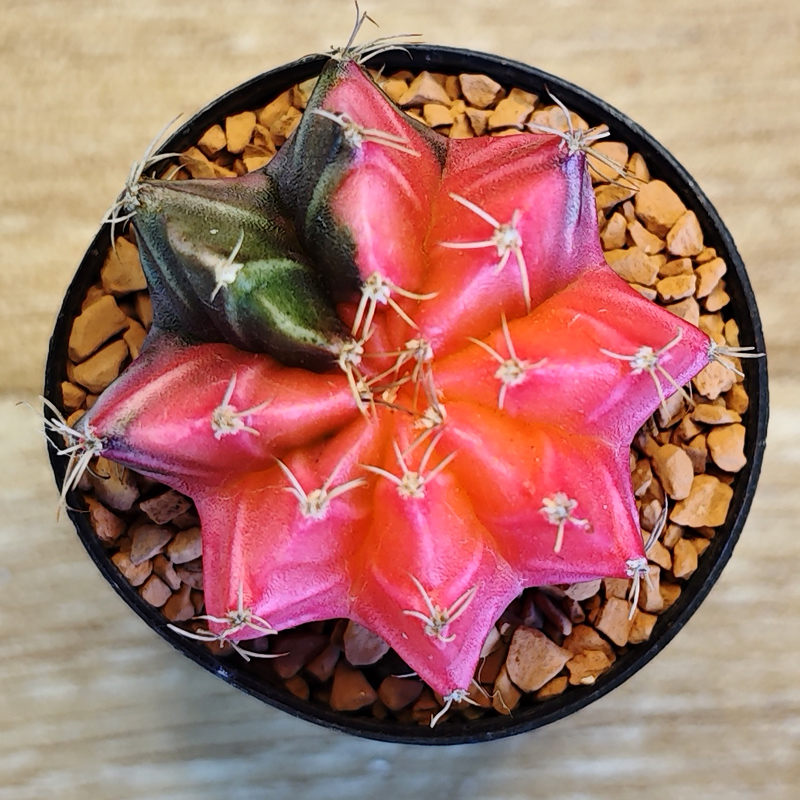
[{"x": 395, "y": 374}]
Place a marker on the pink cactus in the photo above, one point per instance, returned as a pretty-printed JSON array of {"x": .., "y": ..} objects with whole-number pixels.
[{"x": 450, "y": 378}]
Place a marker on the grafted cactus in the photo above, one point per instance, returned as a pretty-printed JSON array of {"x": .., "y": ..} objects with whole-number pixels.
[{"x": 395, "y": 374}]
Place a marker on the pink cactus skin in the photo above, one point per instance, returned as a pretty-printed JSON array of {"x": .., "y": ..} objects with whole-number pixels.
[{"x": 471, "y": 516}]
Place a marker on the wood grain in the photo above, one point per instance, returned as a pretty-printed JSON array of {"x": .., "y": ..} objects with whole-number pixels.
[{"x": 92, "y": 703}]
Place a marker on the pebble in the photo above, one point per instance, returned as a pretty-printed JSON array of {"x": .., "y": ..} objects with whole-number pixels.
[
  {"x": 395, "y": 88},
  {"x": 506, "y": 695},
  {"x": 658, "y": 207},
  {"x": 686, "y": 429},
  {"x": 650, "y": 598},
  {"x": 350, "y": 690},
  {"x": 490, "y": 667},
  {"x": 533, "y": 659},
  {"x": 300, "y": 647},
  {"x": 95, "y": 326},
  {"x": 609, "y": 195},
  {"x": 707, "y": 503},
  {"x": 641, "y": 477},
  {"x": 645, "y": 291},
  {"x": 671, "y": 410},
  {"x": 726, "y": 446},
  {"x": 461, "y": 128},
  {"x": 585, "y": 667},
  {"x": 710, "y": 414},
  {"x": 709, "y": 275},
  {"x": 107, "y": 525},
  {"x": 613, "y": 620},
  {"x": 736, "y": 399},
  {"x": 617, "y": 152},
  {"x": 99, "y": 370},
  {"x": 613, "y": 235},
  {"x": 179, "y": 607},
  {"x": 72, "y": 396},
  {"x": 554, "y": 117},
  {"x": 396, "y": 693},
  {"x": 553, "y": 688},
  {"x": 684, "y": 561},
  {"x": 700, "y": 545},
  {"x": 134, "y": 337},
  {"x": 213, "y": 141},
  {"x": 121, "y": 272},
  {"x": 678, "y": 266},
  {"x": 239, "y": 130},
  {"x": 148, "y": 541},
  {"x": 512, "y": 111},
  {"x": 632, "y": 265},
  {"x": 731, "y": 331},
  {"x": 688, "y": 309},
  {"x": 191, "y": 573},
  {"x": 114, "y": 485},
  {"x": 425, "y": 707},
  {"x": 275, "y": 109},
  {"x": 425, "y": 89},
  {"x": 583, "y": 590},
  {"x": 677, "y": 287},
  {"x": 651, "y": 510},
  {"x": 135, "y": 574},
  {"x": 452, "y": 86},
  {"x": 437, "y": 115},
  {"x": 615, "y": 587},
  {"x": 628, "y": 211},
  {"x": 671, "y": 535},
  {"x": 658, "y": 554},
  {"x": 186, "y": 546},
  {"x": 282, "y": 128},
  {"x": 553, "y": 613},
  {"x": 165, "y": 507},
  {"x": 197, "y": 165},
  {"x": 670, "y": 592},
  {"x": 674, "y": 469},
  {"x": 479, "y": 90},
  {"x": 322, "y": 666},
  {"x": 643, "y": 239},
  {"x": 479, "y": 120},
  {"x": 155, "y": 592},
  {"x": 165, "y": 570},
  {"x": 685, "y": 238},
  {"x": 697, "y": 451},
  {"x": 491, "y": 643},
  {"x": 713, "y": 380},
  {"x": 642, "y": 627},
  {"x": 637, "y": 167},
  {"x": 301, "y": 93},
  {"x": 362, "y": 646},
  {"x": 299, "y": 687},
  {"x": 718, "y": 298}
]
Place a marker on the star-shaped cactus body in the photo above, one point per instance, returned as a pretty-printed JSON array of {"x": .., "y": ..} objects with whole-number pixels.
[{"x": 396, "y": 375}]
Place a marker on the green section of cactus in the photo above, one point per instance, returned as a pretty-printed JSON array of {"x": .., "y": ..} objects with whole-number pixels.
[{"x": 225, "y": 265}]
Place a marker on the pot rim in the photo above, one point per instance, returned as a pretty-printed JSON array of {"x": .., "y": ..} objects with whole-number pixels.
[{"x": 260, "y": 90}]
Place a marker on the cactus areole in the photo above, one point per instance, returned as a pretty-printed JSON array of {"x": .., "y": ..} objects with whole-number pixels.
[{"x": 395, "y": 374}]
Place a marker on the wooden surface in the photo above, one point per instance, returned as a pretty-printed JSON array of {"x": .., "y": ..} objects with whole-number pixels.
[{"x": 92, "y": 703}]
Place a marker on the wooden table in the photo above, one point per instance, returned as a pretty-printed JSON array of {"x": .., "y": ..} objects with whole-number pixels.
[{"x": 92, "y": 703}]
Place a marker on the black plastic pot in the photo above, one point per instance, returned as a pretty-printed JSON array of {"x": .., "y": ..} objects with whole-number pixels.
[{"x": 530, "y": 714}]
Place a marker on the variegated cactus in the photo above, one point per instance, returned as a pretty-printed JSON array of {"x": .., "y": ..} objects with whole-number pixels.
[{"x": 396, "y": 376}]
